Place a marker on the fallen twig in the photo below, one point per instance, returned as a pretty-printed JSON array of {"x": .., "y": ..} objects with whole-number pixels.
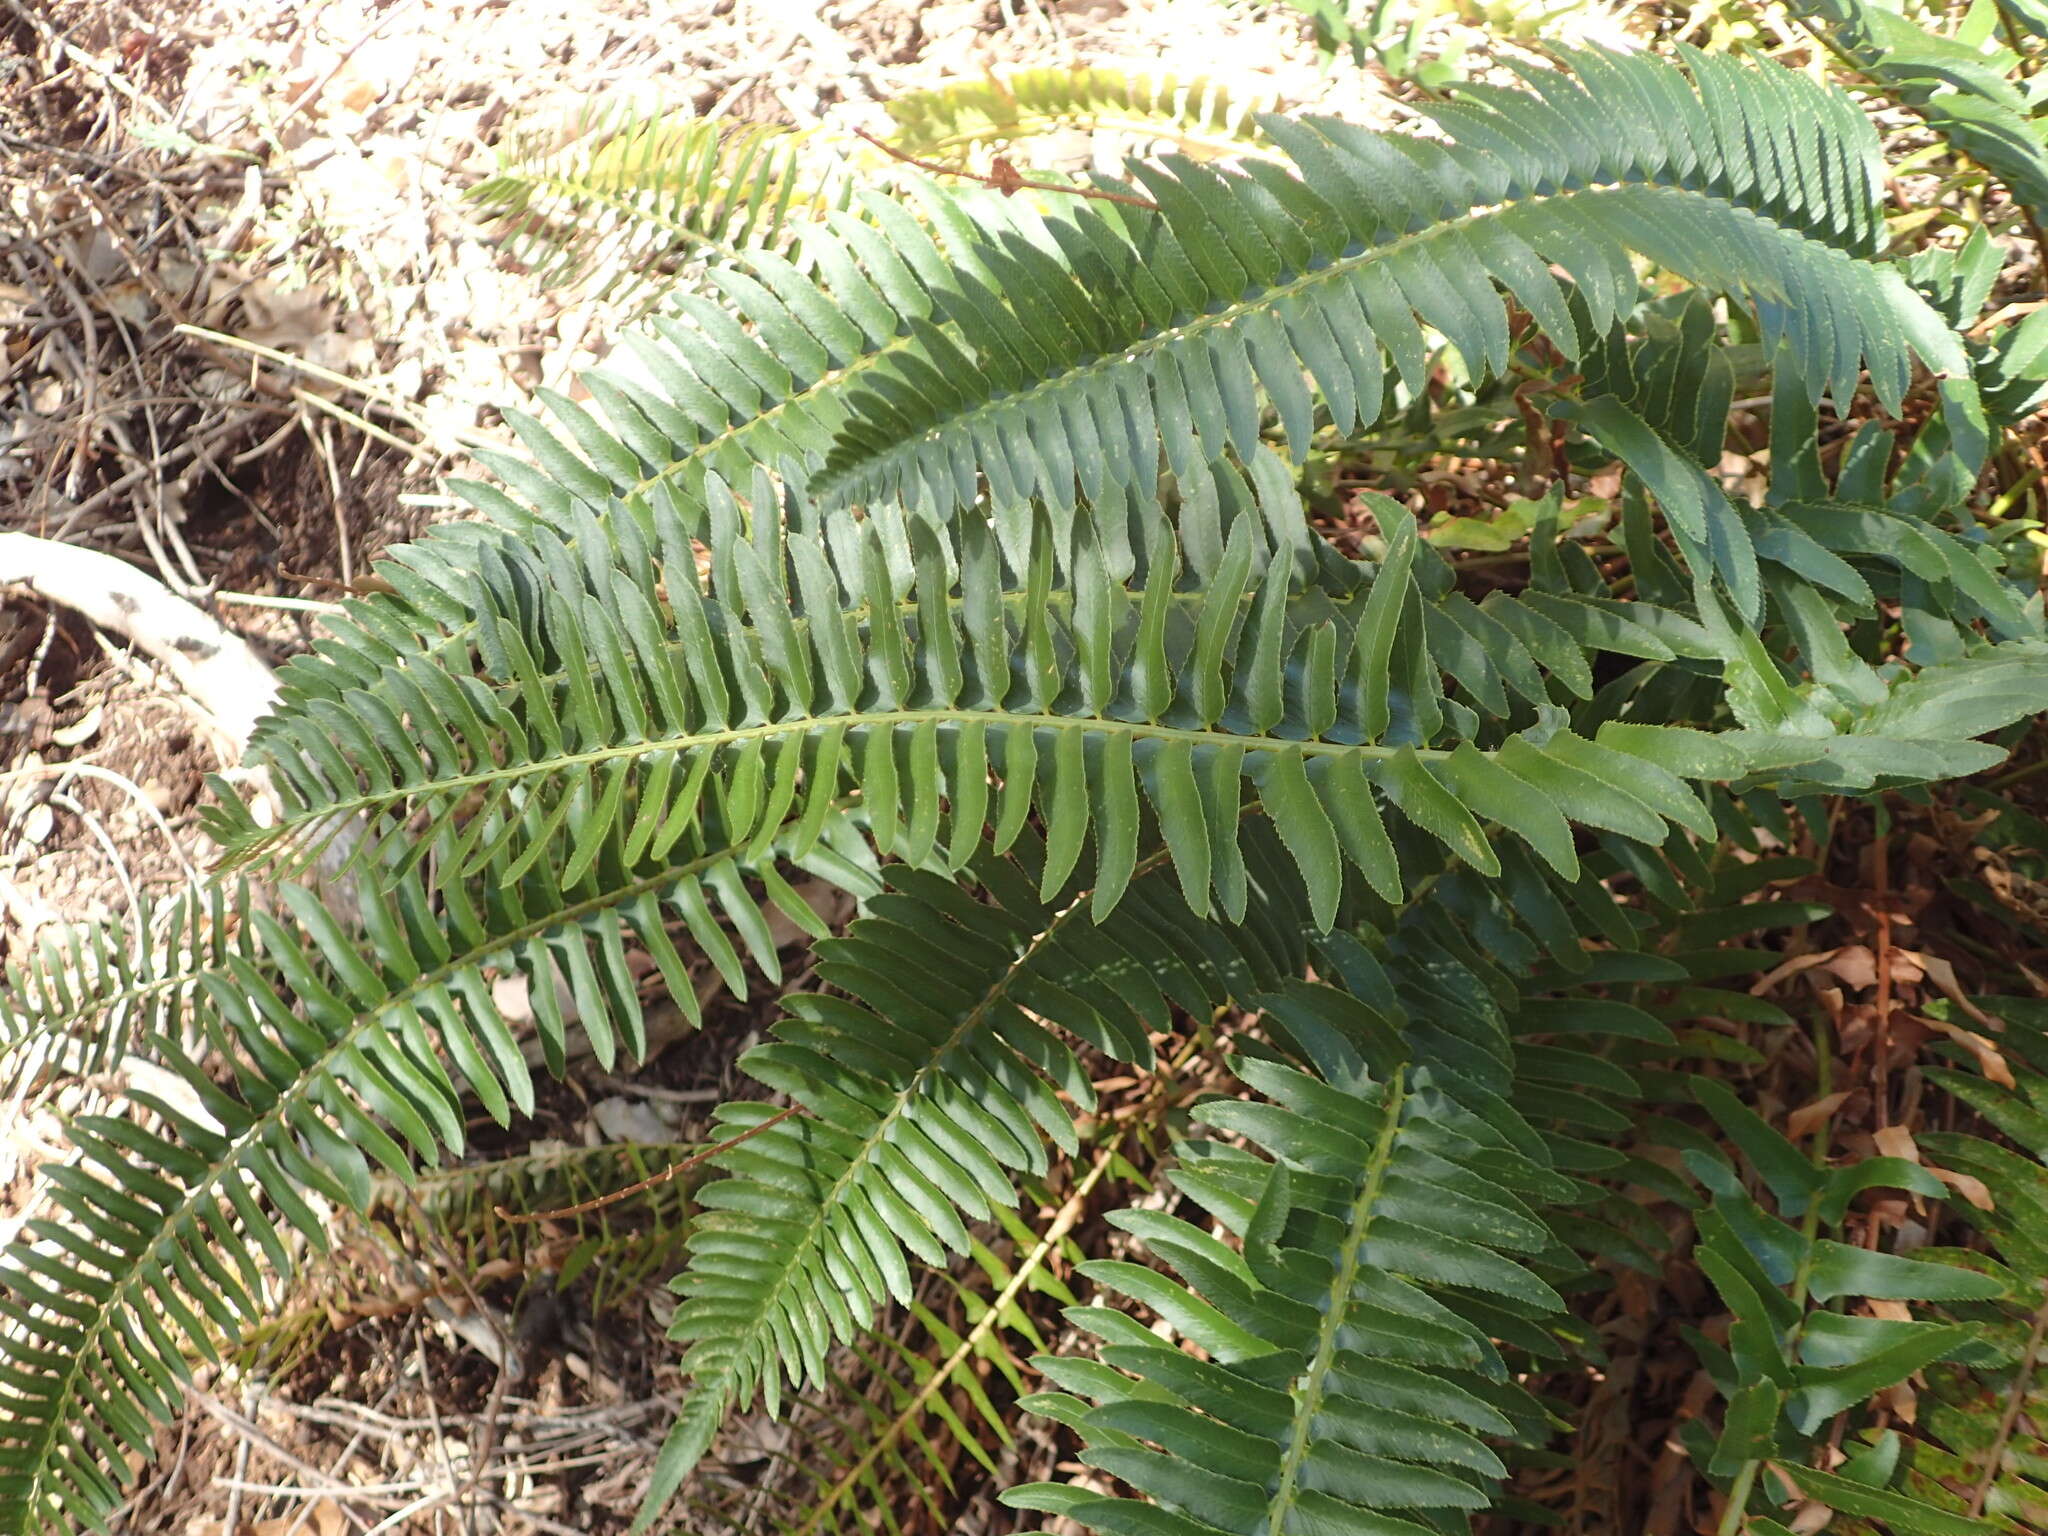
[
  {"x": 655, "y": 1180},
  {"x": 218, "y": 669},
  {"x": 1005, "y": 179}
]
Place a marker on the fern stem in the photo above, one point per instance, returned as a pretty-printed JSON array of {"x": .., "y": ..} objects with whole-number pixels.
[
  {"x": 1301, "y": 1438},
  {"x": 1738, "y": 1498},
  {"x": 457, "y": 785}
]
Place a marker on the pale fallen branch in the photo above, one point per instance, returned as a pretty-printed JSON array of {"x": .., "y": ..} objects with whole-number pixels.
[{"x": 216, "y": 668}]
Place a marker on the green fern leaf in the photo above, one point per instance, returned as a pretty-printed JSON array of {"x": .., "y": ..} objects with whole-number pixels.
[
  {"x": 1059, "y": 354},
  {"x": 633, "y": 196},
  {"x": 1198, "y": 116},
  {"x": 1340, "y": 1382},
  {"x": 342, "y": 1060}
]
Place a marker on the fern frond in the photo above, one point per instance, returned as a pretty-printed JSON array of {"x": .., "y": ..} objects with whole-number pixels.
[
  {"x": 797, "y": 683},
  {"x": 899, "y": 1444},
  {"x": 1198, "y": 116},
  {"x": 1347, "y": 1378},
  {"x": 167, "y": 1233},
  {"x": 1056, "y": 354},
  {"x": 928, "y": 1103},
  {"x": 78, "y": 1005},
  {"x": 633, "y": 196},
  {"x": 1793, "y": 1364},
  {"x": 1976, "y": 98},
  {"x": 1990, "y": 1411}
]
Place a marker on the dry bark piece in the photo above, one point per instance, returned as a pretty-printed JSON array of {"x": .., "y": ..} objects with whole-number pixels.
[{"x": 217, "y": 669}]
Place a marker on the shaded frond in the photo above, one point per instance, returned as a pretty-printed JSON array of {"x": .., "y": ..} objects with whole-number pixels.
[
  {"x": 1347, "y": 1378},
  {"x": 929, "y": 1100},
  {"x": 1794, "y": 1361},
  {"x": 1987, "y": 1413},
  {"x": 342, "y": 1052}
]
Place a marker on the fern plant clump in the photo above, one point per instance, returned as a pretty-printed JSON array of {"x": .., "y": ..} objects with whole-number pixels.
[{"x": 956, "y": 557}]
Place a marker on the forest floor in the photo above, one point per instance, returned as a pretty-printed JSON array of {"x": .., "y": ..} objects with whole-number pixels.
[{"x": 249, "y": 320}]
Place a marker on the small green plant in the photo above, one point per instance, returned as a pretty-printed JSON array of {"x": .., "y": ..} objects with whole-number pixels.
[{"x": 963, "y": 566}]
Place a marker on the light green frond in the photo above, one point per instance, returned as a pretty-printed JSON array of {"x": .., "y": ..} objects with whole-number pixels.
[
  {"x": 82, "y": 1000},
  {"x": 344, "y": 1051},
  {"x": 1197, "y": 116},
  {"x": 632, "y": 197},
  {"x": 602, "y": 723}
]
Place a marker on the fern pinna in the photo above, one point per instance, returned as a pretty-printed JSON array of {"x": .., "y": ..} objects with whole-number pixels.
[{"x": 964, "y": 567}]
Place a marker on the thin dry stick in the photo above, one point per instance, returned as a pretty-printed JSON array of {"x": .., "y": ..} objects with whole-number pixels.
[
  {"x": 2015, "y": 1404},
  {"x": 670, "y": 1172},
  {"x": 1881, "y": 876},
  {"x": 1005, "y": 178},
  {"x": 1064, "y": 1222}
]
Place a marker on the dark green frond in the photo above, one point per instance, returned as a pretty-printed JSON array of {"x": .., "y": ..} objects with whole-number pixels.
[
  {"x": 1348, "y": 1378},
  {"x": 1055, "y": 354}
]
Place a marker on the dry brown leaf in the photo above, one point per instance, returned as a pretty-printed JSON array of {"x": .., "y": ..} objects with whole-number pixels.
[
  {"x": 1944, "y": 976},
  {"x": 1896, "y": 1141},
  {"x": 1768, "y": 983},
  {"x": 1903, "y": 1402},
  {"x": 1989, "y": 1059},
  {"x": 1855, "y": 965},
  {"x": 1802, "y": 1121},
  {"x": 1970, "y": 1187}
]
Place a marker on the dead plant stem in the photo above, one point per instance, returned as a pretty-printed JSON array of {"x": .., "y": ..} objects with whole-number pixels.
[
  {"x": 671, "y": 1171},
  {"x": 1008, "y": 181}
]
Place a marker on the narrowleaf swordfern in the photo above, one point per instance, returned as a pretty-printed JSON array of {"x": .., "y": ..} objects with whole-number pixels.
[{"x": 963, "y": 566}]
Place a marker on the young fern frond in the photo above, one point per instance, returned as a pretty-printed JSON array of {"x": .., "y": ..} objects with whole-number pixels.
[
  {"x": 632, "y": 196},
  {"x": 1198, "y": 116}
]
